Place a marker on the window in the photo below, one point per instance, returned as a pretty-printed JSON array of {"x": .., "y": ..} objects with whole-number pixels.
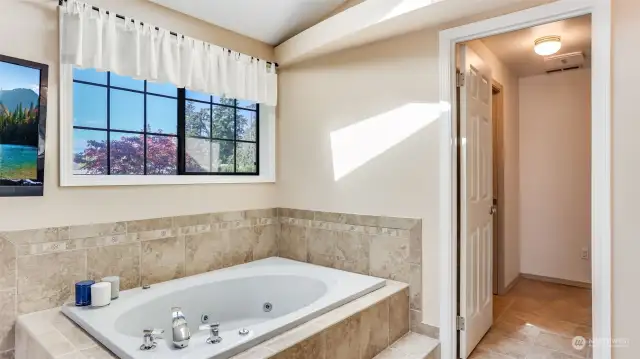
[
  {"x": 221, "y": 135},
  {"x": 123, "y": 126}
]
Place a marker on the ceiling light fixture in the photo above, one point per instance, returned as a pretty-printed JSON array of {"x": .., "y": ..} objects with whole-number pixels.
[{"x": 547, "y": 45}]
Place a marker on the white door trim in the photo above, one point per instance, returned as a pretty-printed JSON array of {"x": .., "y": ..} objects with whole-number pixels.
[{"x": 600, "y": 158}]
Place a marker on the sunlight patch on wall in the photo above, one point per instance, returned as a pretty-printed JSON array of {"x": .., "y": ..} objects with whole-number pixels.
[
  {"x": 406, "y": 6},
  {"x": 357, "y": 144}
]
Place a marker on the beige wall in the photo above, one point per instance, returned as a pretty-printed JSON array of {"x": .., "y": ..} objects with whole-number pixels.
[
  {"x": 508, "y": 204},
  {"x": 555, "y": 174},
  {"x": 626, "y": 177},
  {"x": 388, "y": 92},
  {"x": 33, "y": 24}
]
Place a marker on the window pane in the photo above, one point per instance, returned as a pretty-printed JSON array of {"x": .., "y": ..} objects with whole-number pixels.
[
  {"x": 126, "y": 82},
  {"x": 246, "y": 122},
  {"x": 197, "y": 119},
  {"x": 246, "y": 157},
  {"x": 89, "y": 106},
  {"x": 222, "y": 153},
  {"x": 247, "y": 104},
  {"x": 162, "y": 155},
  {"x": 89, "y": 152},
  {"x": 197, "y": 155},
  {"x": 90, "y": 75},
  {"x": 224, "y": 101},
  {"x": 127, "y": 154},
  {"x": 195, "y": 95},
  {"x": 162, "y": 89},
  {"x": 127, "y": 110},
  {"x": 223, "y": 122},
  {"x": 162, "y": 114}
]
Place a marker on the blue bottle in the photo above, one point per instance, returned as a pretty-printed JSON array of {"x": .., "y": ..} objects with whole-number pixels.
[{"x": 83, "y": 293}]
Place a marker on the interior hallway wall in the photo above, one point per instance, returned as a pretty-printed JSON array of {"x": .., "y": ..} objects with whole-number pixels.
[
  {"x": 379, "y": 104},
  {"x": 33, "y": 25},
  {"x": 509, "y": 204},
  {"x": 555, "y": 177}
]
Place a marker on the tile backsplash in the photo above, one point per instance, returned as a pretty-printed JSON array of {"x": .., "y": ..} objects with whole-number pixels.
[
  {"x": 38, "y": 268},
  {"x": 386, "y": 247}
]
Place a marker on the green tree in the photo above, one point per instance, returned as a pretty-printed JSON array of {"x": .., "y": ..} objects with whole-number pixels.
[
  {"x": 196, "y": 122},
  {"x": 20, "y": 126},
  {"x": 221, "y": 125}
]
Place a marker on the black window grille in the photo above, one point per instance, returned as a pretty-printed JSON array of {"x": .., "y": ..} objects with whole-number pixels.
[{"x": 123, "y": 126}]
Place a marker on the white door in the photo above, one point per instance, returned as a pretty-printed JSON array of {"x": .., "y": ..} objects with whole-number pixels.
[{"x": 476, "y": 201}]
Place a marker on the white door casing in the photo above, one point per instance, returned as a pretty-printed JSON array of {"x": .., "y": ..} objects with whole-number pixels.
[
  {"x": 476, "y": 201},
  {"x": 600, "y": 158}
]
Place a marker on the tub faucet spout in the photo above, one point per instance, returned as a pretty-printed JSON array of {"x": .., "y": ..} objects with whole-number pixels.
[{"x": 181, "y": 334}]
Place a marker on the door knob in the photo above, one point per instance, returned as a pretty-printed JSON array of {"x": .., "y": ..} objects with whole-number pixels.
[{"x": 493, "y": 210}]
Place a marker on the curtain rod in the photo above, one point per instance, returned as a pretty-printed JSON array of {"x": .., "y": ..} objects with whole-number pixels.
[{"x": 60, "y": 2}]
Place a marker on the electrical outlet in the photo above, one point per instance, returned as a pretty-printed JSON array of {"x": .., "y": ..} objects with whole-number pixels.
[{"x": 584, "y": 254}]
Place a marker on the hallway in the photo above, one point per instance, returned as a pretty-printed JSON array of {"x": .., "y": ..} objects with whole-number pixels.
[{"x": 538, "y": 320}]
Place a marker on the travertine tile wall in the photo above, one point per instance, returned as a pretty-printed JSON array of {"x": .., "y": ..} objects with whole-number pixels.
[
  {"x": 386, "y": 247},
  {"x": 38, "y": 268}
]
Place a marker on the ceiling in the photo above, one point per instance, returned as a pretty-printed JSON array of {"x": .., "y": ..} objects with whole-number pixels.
[
  {"x": 515, "y": 49},
  {"x": 272, "y": 21}
]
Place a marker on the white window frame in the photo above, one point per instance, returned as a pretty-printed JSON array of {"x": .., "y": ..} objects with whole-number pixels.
[{"x": 266, "y": 153}]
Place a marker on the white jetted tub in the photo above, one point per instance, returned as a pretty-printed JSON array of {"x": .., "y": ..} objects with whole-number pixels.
[{"x": 266, "y": 297}]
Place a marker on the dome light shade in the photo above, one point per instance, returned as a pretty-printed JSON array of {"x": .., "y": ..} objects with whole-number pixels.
[{"x": 547, "y": 45}]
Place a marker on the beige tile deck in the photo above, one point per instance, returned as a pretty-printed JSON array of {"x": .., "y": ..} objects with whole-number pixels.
[
  {"x": 538, "y": 320},
  {"x": 412, "y": 346}
]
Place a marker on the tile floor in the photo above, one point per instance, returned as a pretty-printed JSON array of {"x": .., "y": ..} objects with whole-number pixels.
[{"x": 538, "y": 320}]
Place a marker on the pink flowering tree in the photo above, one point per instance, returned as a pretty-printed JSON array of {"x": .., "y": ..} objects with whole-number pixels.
[{"x": 127, "y": 156}]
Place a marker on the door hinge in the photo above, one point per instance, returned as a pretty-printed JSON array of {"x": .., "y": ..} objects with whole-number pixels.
[
  {"x": 460, "y": 79},
  {"x": 459, "y": 323}
]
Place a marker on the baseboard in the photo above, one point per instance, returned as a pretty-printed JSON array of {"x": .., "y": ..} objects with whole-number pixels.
[
  {"x": 506, "y": 289},
  {"x": 542, "y": 278}
]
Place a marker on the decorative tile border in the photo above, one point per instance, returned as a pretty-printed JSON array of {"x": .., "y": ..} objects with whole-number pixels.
[
  {"x": 373, "y": 231},
  {"x": 44, "y": 241},
  {"x": 349, "y": 218}
]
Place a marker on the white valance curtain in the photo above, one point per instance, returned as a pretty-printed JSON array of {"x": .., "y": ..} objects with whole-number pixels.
[{"x": 95, "y": 39}]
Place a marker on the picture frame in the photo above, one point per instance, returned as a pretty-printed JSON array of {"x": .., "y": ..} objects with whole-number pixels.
[{"x": 23, "y": 112}]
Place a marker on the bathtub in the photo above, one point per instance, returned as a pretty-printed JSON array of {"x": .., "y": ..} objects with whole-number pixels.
[{"x": 265, "y": 297}]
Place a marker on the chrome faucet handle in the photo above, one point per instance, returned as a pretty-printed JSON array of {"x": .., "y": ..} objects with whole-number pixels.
[
  {"x": 214, "y": 332},
  {"x": 149, "y": 338}
]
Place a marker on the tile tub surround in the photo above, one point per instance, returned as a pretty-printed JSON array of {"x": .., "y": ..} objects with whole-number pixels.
[
  {"x": 38, "y": 268},
  {"x": 386, "y": 247},
  {"x": 360, "y": 329}
]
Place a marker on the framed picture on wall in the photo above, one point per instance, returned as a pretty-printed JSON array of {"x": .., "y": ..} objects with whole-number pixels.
[{"x": 23, "y": 112}]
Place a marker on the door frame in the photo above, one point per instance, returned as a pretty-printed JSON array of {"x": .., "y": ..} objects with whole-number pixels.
[
  {"x": 497, "y": 91},
  {"x": 600, "y": 158}
]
